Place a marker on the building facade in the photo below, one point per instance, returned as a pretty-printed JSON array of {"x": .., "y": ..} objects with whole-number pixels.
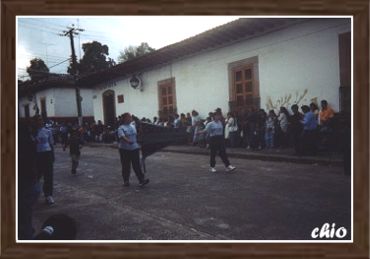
[
  {"x": 301, "y": 62},
  {"x": 260, "y": 63},
  {"x": 54, "y": 100}
]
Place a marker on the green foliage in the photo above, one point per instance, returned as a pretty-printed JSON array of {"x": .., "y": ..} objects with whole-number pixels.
[
  {"x": 132, "y": 52},
  {"x": 37, "y": 69},
  {"x": 95, "y": 58}
]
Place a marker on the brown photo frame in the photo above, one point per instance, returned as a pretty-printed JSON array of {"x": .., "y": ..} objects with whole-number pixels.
[{"x": 358, "y": 249}]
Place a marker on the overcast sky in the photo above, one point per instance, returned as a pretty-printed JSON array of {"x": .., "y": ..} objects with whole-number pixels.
[{"x": 39, "y": 36}]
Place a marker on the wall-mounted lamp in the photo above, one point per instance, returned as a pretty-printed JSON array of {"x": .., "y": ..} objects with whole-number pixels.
[{"x": 135, "y": 82}]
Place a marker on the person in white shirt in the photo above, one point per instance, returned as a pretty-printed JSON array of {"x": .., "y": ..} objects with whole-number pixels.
[
  {"x": 283, "y": 120},
  {"x": 232, "y": 129},
  {"x": 195, "y": 119},
  {"x": 177, "y": 121},
  {"x": 129, "y": 151},
  {"x": 215, "y": 130}
]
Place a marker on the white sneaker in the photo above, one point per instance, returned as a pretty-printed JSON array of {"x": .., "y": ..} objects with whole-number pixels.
[
  {"x": 213, "y": 170},
  {"x": 230, "y": 168},
  {"x": 49, "y": 200}
]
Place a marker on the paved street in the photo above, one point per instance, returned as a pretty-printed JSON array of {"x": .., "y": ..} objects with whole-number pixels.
[{"x": 261, "y": 200}]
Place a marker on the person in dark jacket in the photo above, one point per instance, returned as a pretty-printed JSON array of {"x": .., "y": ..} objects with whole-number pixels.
[
  {"x": 28, "y": 189},
  {"x": 253, "y": 137},
  {"x": 75, "y": 143},
  {"x": 295, "y": 127}
]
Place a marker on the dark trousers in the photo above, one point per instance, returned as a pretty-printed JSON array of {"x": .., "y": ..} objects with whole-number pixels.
[
  {"x": 217, "y": 144},
  {"x": 129, "y": 157},
  {"x": 75, "y": 161},
  {"x": 233, "y": 136},
  {"x": 295, "y": 139},
  {"x": 45, "y": 170},
  {"x": 308, "y": 142}
]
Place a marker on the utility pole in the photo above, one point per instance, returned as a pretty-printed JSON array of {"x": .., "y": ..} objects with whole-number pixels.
[{"x": 70, "y": 33}]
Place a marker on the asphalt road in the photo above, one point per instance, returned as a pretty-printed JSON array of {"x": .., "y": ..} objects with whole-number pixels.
[{"x": 261, "y": 200}]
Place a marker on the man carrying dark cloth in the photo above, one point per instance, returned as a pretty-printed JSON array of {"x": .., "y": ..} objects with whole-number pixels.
[{"x": 129, "y": 151}]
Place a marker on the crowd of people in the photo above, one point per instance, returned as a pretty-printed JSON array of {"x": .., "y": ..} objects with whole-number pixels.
[
  {"x": 303, "y": 128},
  {"x": 256, "y": 129}
]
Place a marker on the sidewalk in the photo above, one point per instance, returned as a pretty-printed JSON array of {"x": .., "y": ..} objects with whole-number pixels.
[{"x": 279, "y": 155}]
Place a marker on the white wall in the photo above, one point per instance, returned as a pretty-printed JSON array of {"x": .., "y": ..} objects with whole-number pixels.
[
  {"x": 66, "y": 105},
  {"x": 87, "y": 102},
  {"x": 302, "y": 58},
  {"x": 60, "y": 102},
  {"x": 49, "y": 100}
]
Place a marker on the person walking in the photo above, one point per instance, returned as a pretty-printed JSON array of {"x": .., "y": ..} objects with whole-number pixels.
[
  {"x": 129, "y": 151},
  {"x": 74, "y": 143},
  {"x": 215, "y": 130},
  {"x": 44, "y": 157}
]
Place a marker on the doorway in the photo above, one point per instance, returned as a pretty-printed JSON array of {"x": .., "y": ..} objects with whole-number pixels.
[{"x": 109, "y": 108}]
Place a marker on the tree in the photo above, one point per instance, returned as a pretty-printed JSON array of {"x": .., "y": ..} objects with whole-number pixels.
[
  {"x": 38, "y": 69},
  {"x": 132, "y": 52},
  {"x": 95, "y": 58}
]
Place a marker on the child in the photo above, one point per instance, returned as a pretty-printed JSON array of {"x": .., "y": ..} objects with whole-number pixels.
[
  {"x": 270, "y": 129},
  {"x": 74, "y": 143}
]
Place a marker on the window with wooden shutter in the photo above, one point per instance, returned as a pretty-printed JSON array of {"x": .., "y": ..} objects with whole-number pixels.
[
  {"x": 244, "y": 85},
  {"x": 167, "y": 97}
]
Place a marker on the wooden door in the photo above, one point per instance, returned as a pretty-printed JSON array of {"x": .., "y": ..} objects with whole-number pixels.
[
  {"x": 245, "y": 87},
  {"x": 167, "y": 98}
]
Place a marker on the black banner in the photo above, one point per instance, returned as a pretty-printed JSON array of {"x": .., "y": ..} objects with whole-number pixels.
[{"x": 152, "y": 137}]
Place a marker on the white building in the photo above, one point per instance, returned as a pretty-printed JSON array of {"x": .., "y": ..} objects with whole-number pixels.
[
  {"x": 55, "y": 98},
  {"x": 267, "y": 63}
]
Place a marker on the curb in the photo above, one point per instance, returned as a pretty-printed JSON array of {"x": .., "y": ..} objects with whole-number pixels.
[
  {"x": 267, "y": 157},
  {"x": 263, "y": 157}
]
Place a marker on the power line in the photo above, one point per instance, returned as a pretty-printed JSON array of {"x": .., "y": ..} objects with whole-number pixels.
[
  {"x": 34, "y": 27},
  {"x": 60, "y": 63},
  {"x": 87, "y": 36},
  {"x": 34, "y": 54},
  {"x": 38, "y": 22}
]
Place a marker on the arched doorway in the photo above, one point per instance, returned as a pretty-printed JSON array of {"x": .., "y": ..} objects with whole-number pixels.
[{"x": 109, "y": 108}]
